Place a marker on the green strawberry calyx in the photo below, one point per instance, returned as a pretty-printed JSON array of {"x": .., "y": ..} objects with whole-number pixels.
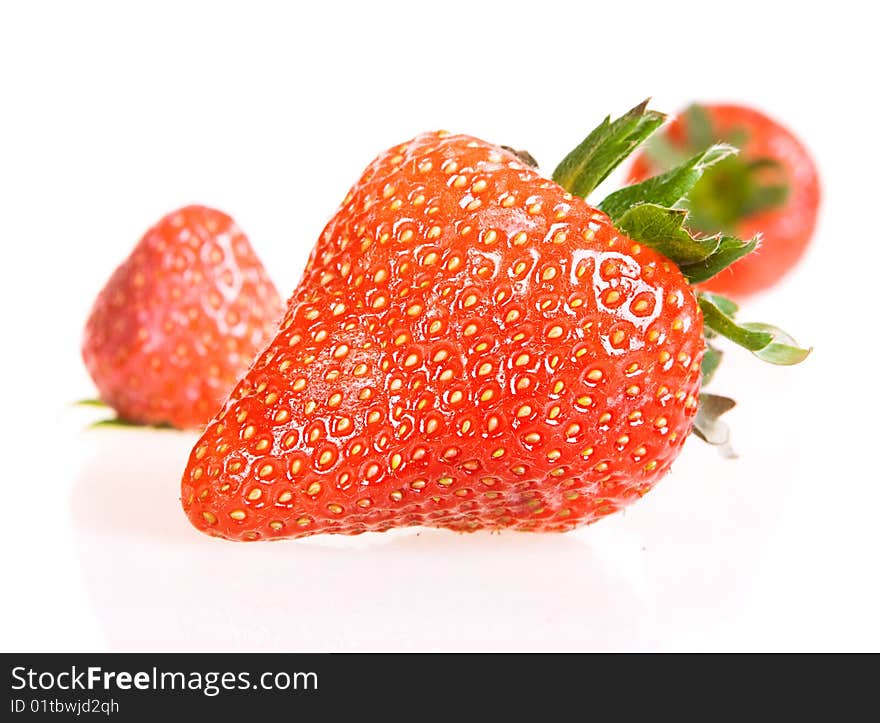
[
  {"x": 116, "y": 422},
  {"x": 733, "y": 189},
  {"x": 122, "y": 423},
  {"x": 90, "y": 402},
  {"x": 656, "y": 213}
]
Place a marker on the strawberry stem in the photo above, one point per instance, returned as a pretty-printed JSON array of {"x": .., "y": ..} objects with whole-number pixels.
[{"x": 523, "y": 155}]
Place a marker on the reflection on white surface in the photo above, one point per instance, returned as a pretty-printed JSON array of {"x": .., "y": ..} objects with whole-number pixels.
[{"x": 649, "y": 578}]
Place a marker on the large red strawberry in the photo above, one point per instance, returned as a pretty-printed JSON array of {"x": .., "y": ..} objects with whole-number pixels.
[
  {"x": 471, "y": 346},
  {"x": 180, "y": 320},
  {"x": 771, "y": 187}
]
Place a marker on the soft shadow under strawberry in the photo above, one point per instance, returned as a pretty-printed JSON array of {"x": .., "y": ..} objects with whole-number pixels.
[{"x": 157, "y": 584}]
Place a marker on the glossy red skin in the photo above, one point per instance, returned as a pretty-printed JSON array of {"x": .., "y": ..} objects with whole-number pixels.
[
  {"x": 180, "y": 320},
  {"x": 435, "y": 367},
  {"x": 785, "y": 231}
]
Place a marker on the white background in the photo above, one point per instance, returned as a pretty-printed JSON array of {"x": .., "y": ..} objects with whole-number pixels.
[{"x": 112, "y": 115}]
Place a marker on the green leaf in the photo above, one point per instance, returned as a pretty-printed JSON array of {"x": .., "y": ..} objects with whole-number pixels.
[
  {"x": 119, "y": 422},
  {"x": 711, "y": 362},
  {"x": 661, "y": 229},
  {"x": 708, "y": 425},
  {"x": 89, "y": 403},
  {"x": 667, "y": 189},
  {"x": 699, "y": 258},
  {"x": 730, "y": 249},
  {"x": 738, "y": 136},
  {"x": 764, "y": 162},
  {"x": 783, "y": 350},
  {"x": 700, "y": 133},
  {"x": 728, "y": 306},
  {"x": 768, "y": 343},
  {"x": 114, "y": 422},
  {"x": 718, "y": 321},
  {"x": 662, "y": 153},
  {"x": 735, "y": 189},
  {"x": 604, "y": 149},
  {"x": 764, "y": 198}
]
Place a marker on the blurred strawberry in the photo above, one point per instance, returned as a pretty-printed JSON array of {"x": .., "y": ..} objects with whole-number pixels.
[
  {"x": 771, "y": 188},
  {"x": 180, "y": 320}
]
